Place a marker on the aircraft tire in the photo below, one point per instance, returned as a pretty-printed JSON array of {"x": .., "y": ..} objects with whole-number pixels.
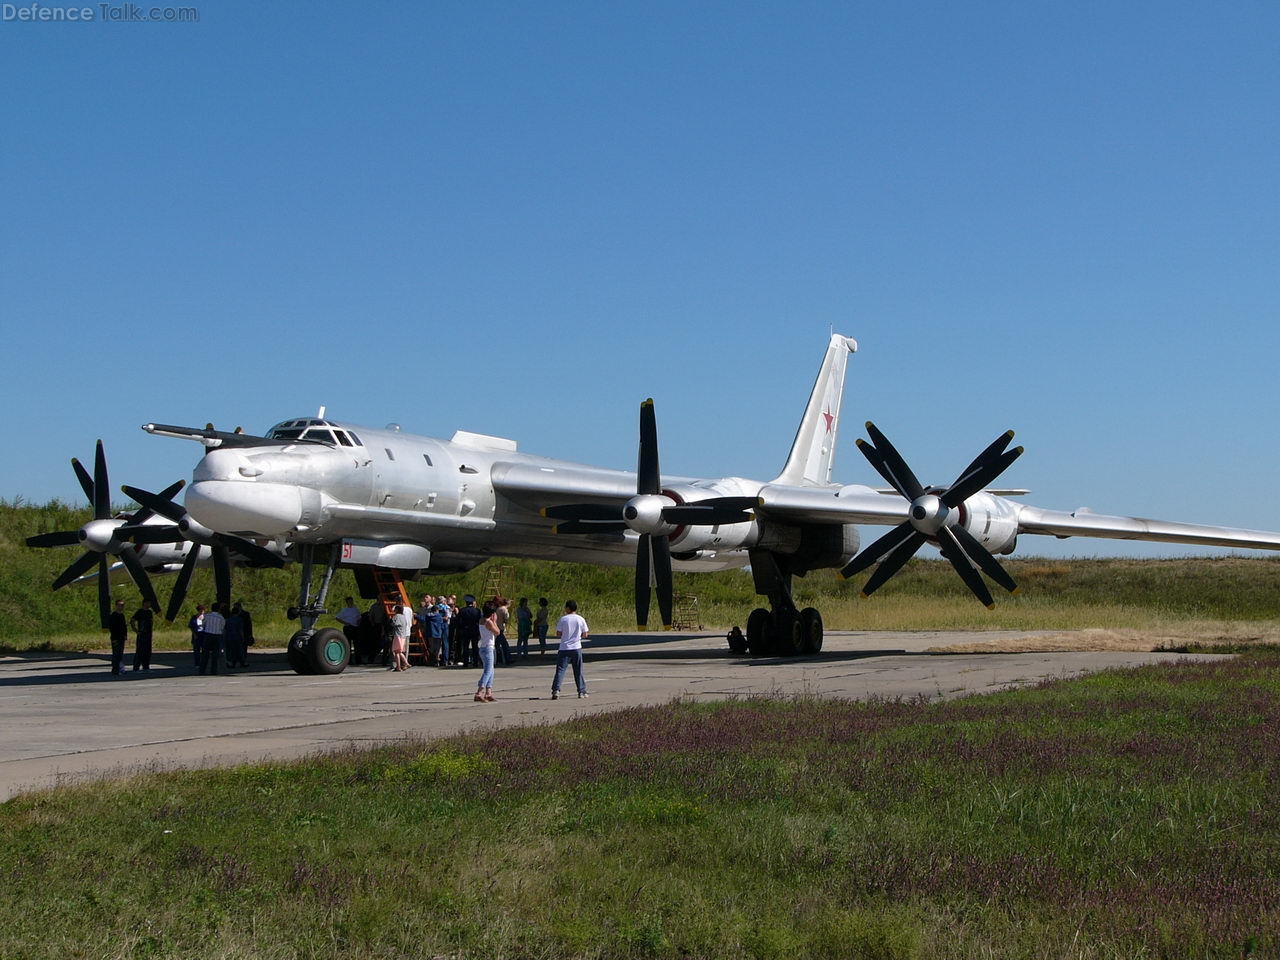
[
  {"x": 786, "y": 634},
  {"x": 329, "y": 652},
  {"x": 760, "y": 632},
  {"x": 810, "y": 631},
  {"x": 299, "y": 657}
]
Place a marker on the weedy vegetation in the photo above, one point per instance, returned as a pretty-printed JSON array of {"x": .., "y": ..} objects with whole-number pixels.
[{"x": 1126, "y": 814}]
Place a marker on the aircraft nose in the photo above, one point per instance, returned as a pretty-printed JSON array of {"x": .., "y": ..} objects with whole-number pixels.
[{"x": 264, "y": 509}]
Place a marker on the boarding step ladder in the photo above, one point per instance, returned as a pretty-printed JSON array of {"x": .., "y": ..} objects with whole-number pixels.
[
  {"x": 684, "y": 612},
  {"x": 391, "y": 590},
  {"x": 497, "y": 582}
]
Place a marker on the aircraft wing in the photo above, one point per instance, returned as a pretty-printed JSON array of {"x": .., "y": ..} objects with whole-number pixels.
[{"x": 1085, "y": 523}]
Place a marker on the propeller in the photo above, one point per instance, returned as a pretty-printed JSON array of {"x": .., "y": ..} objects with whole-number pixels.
[
  {"x": 188, "y": 528},
  {"x": 653, "y": 515},
  {"x": 934, "y": 515},
  {"x": 101, "y": 538}
]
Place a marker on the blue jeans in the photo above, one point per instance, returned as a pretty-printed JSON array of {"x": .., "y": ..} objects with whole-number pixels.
[
  {"x": 486, "y": 664},
  {"x": 563, "y": 659}
]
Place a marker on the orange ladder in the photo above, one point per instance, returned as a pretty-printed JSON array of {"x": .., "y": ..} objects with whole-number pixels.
[{"x": 391, "y": 590}]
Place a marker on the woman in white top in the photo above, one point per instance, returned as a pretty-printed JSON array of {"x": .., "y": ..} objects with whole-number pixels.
[
  {"x": 488, "y": 630},
  {"x": 403, "y": 621}
]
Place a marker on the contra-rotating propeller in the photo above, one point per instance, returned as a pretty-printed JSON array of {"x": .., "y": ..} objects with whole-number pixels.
[
  {"x": 101, "y": 537},
  {"x": 934, "y": 515},
  {"x": 654, "y": 516},
  {"x": 221, "y": 544}
]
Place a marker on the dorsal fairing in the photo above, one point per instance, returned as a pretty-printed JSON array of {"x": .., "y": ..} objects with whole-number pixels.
[{"x": 812, "y": 454}]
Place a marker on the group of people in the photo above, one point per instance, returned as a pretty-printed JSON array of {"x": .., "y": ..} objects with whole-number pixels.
[
  {"x": 221, "y": 631},
  {"x": 466, "y": 635}
]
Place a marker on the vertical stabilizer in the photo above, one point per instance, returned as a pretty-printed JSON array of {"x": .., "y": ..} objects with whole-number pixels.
[{"x": 813, "y": 452}]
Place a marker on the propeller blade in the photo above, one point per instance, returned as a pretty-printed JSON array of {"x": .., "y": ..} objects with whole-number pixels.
[
  {"x": 76, "y": 570},
  {"x": 711, "y": 512},
  {"x": 101, "y": 486},
  {"x": 643, "y": 570},
  {"x": 139, "y": 575},
  {"x": 150, "y": 533},
  {"x": 869, "y": 555},
  {"x": 250, "y": 551},
  {"x": 222, "y": 573},
  {"x": 104, "y": 588},
  {"x": 166, "y": 508},
  {"x": 907, "y": 483},
  {"x": 180, "y": 585},
  {"x": 63, "y": 538},
  {"x": 974, "y": 481},
  {"x": 878, "y": 464},
  {"x": 168, "y": 493},
  {"x": 648, "y": 476},
  {"x": 983, "y": 558},
  {"x": 993, "y": 449},
  {"x": 583, "y": 511},
  {"x": 86, "y": 481},
  {"x": 589, "y": 526},
  {"x": 956, "y": 556},
  {"x": 661, "y": 547},
  {"x": 893, "y": 562}
]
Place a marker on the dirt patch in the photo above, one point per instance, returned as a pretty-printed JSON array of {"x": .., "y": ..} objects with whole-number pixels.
[{"x": 1132, "y": 640}]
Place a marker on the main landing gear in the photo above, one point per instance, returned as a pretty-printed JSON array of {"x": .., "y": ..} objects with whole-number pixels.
[
  {"x": 313, "y": 651},
  {"x": 782, "y": 630}
]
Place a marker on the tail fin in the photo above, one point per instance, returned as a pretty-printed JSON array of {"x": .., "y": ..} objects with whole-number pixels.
[{"x": 813, "y": 451}]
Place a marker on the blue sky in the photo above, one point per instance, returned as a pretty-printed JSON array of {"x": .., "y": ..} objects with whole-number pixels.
[{"x": 523, "y": 219}]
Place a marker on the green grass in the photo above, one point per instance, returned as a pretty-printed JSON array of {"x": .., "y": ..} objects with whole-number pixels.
[
  {"x": 1055, "y": 594},
  {"x": 1127, "y": 814}
]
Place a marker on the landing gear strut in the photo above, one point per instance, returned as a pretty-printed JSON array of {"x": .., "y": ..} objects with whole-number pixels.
[
  {"x": 782, "y": 630},
  {"x": 313, "y": 651}
]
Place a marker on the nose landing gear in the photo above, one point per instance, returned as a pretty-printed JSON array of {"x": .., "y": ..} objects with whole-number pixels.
[{"x": 313, "y": 651}]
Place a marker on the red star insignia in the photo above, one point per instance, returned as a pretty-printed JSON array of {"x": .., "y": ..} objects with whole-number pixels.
[{"x": 829, "y": 418}]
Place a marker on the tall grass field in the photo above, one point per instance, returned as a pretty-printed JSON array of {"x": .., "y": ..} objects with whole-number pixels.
[{"x": 926, "y": 595}]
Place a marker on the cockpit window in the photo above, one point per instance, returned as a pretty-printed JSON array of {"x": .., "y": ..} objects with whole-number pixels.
[{"x": 314, "y": 430}]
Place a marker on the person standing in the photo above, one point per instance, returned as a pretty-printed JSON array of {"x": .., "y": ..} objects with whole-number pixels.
[
  {"x": 402, "y": 622},
  {"x": 211, "y": 639},
  {"x": 118, "y": 627},
  {"x": 196, "y": 625},
  {"x": 233, "y": 639},
  {"x": 467, "y": 624},
  {"x": 142, "y": 622},
  {"x": 524, "y": 627},
  {"x": 246, "y": 620},
  {"x": 540, "y": 625},
  {"x": 349, "y": 617},
  {"x": 501, "y": 614},
  {"x": 572, "y": 630},
  {"x": 488, "y": 632}
]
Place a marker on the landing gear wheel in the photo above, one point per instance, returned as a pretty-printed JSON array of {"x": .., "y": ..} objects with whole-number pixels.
[
  {"x": 810, "y": 631},
  {"x": 329, "y": 651},
  {"x": 299, "y": 652},
  {"x": 760, "y": 632},
  {"x": 786, "y": 633}
]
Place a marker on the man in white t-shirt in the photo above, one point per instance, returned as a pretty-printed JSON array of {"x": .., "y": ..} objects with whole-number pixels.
[{"x": 572, "y": 630}]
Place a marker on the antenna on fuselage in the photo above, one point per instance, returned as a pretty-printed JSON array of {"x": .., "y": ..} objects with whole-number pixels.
[{"x": 320, "y": 412}]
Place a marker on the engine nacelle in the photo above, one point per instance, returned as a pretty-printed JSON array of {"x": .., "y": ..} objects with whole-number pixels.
[
  {"x": 993, "y": 521},
  {"x": 724, "y": 536}
]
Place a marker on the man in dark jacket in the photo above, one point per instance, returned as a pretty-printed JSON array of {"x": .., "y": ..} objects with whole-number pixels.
[
  {"x": 141, "y": 622},
  {"x": 468, "y": 630},
  {"x": 119, "y": 629}
]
